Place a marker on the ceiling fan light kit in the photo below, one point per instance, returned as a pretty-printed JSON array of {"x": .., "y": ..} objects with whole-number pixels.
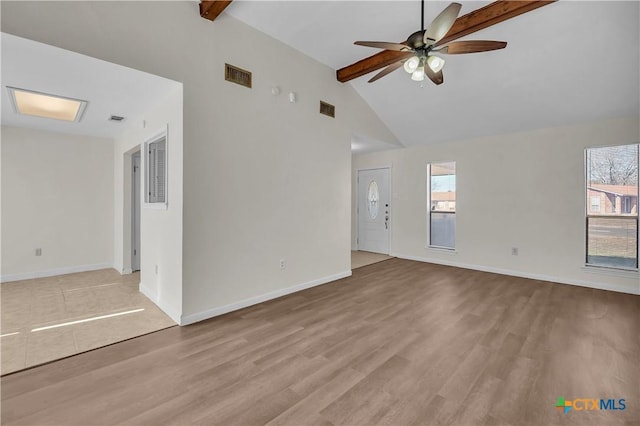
[
  {"x": 411, "y": 64},
  {"x": 435, "y": 63},
  {"x": 418, "y": 74},
  {"x": 421, "y": 45},
  {"x": 415, "y": 66}
]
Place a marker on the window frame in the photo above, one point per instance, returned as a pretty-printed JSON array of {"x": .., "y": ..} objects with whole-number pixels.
[
  {"x": 598, "y": 215},
  {"x": 158, "y": 136},
  {"x": 430, "y": 212}
]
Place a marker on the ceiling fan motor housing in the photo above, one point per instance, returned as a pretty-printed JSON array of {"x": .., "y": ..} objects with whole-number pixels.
[{"x": 416, "y": 40}]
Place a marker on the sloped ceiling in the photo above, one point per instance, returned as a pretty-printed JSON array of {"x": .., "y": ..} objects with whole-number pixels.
[{"x": 565, "y": 63}]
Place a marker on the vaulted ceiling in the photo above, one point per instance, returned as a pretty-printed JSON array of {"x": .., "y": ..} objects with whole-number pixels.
[{"x": 565, "y": 63}]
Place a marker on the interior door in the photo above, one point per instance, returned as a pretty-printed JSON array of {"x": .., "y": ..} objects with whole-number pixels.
[
  {"x": 373, "y": 210},
  {"x": 135, "y": 212}
]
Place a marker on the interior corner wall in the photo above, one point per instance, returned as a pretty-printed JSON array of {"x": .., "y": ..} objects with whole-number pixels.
[
  {"x": 57, "y": 195},
  {"x": 523, "y": 190},
  {"x": 161, "y": 229},
  {"x": 264, "y": 179}
]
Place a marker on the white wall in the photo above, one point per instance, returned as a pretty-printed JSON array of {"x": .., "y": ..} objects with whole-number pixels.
[
  {"x": 522, "y": 190},
  {"x": 57, "y": 194},
  {"x": 161, "y": 229},
  {"x": 264, "y": 179}
]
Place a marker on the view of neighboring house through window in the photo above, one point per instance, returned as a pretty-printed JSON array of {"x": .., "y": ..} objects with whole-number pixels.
[
  {"x": 442, "y": 204},
  {"x": 612, "y": 206}
]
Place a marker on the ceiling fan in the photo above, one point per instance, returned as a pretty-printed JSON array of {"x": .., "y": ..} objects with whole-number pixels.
[{"x": 420, "y": 47}]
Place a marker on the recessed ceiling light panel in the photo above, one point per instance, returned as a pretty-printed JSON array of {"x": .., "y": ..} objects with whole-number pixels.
[{"x": 29, "y": 102}]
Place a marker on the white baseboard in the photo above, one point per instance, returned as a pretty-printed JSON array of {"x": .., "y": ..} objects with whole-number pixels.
[
  {"x": 221, "y": 310},
  {"x": 54, "y": 272},
  {"x": 559, "y": 280},
  {"x": 127, "y": 271},
  {"x": 153, "y": 296}
]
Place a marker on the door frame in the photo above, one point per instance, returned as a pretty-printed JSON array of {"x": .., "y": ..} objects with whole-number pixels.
[
  {"x": 357, "y": 206},
  {"x": 135, "y": 228},
  {"x": 127, "y": 209}
]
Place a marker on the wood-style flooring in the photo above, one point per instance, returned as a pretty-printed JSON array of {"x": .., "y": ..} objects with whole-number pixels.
[{"x": 398, "y": 343}]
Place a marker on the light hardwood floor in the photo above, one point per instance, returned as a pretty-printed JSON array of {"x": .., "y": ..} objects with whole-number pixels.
[{"x": 399, "y": 342}]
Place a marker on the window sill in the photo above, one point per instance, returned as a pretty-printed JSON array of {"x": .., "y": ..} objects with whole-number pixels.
[
  {"x": 614, "y": 272},
  {"x": 442, "y": 250}
]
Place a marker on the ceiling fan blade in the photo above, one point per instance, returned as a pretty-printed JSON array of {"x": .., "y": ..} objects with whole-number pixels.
[
  {"x": 388, "y": 70},
  {"x": 442, "y": 24},
  {"x": 471, "y": 46},
  {"x": 486, "y": 16},
  {"x": 436, "y": 77},
  {"x": 384, "y": 45}
]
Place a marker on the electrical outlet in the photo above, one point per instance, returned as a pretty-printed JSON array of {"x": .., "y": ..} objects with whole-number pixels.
[
  {"x": 514, "y": 251},
  {"x": 38, "y": 252},
  {"x": 283, "y": 264}
]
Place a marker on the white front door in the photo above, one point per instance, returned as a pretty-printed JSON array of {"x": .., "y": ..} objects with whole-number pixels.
[
  {"x": 135, "y": 212},
  {"x": 373, "y": 210}
]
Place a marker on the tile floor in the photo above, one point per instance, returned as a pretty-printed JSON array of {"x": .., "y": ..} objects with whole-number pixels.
[
  {"x": 31, "y": 304},
  {"x": 364, "y": 258}
]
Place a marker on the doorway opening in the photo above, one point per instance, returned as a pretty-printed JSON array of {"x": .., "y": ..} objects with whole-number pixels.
[
  {"x": 135, "y": 211},
  {"x": 77, "y": 290}
]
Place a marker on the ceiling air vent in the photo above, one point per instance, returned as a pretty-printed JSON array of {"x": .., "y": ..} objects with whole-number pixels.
[
  {"x": 116, "y": 118},
  {"x": 327, "y": 109},
  {"x": 237, "y": 75}
]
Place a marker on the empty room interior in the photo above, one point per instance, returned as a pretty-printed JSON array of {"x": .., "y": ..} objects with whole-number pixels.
[{"x": 320, "y": 212}]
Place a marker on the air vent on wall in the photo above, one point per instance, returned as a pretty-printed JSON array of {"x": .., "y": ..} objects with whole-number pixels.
[
  {"x": 116, "y": 118},
  {"x": 327, "y": 109},
  {"x": 237, "y": 75}
]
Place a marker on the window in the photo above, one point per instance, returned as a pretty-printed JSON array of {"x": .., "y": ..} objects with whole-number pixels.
[
  {"x": 372, "y": 200},
  {"x": 628, "y": 203},
  {"x": 155, "y": 177},
  {"x": 442, "y": 204},
  {"x": 612, "y": 227}
]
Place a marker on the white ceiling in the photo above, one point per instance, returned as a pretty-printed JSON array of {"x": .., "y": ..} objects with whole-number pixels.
[
  {"x": 108, "y": 88},
  {"x": 568, "y": 62}
]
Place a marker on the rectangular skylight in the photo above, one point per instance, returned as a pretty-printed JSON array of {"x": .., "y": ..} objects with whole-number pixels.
[{"x": 28, "y": 102}]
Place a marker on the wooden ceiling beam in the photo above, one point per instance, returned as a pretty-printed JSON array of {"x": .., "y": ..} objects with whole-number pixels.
[
  {"x": 477, "y": 20},
  {"x": 489, "y": 15},
  {"x": 372, "y": 63},
  {"x": 212, "y": 9}
]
